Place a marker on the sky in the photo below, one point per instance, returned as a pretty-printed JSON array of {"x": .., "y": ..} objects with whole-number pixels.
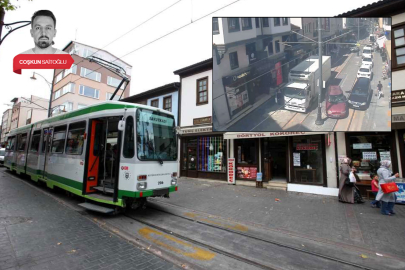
[{"x": 99, "y": 22}]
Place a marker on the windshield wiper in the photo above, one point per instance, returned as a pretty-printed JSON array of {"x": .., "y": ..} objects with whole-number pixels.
[{"x": 154, "y": 153}]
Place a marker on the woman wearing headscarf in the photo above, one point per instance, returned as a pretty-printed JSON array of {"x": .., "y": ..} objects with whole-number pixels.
[
  {"x": 387, "y": 199},
  {"x": 346, "y": 192}
]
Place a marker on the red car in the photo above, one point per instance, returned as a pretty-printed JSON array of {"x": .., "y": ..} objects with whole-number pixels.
[{"x": 336, "y": 103}]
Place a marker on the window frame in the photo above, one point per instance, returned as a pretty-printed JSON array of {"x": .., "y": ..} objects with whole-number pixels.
[
  {"x": 279, "y": 21},
  {"x": 257, "y": 22},
  {"x": 83, "y": 74},
  {"x": 96, "y": 91},
  {"x": 164, "y": 103},
  {"x": 37, "y": 133},
  {"x": 20, "y": 136},
  {"x": 67, "y": 136},
  {"x": 110, "y": 79},
  {"x": 154, "y": 100},
  {"x": 284, "y": 19},
  {"x": 266, "y": 22},
  {"x": 237, "y": 27},
  {"x": 198, "y": 102},
  {"x": 107, "y": 97},
  {"x": 215, "y": 31},
  {"x": 249, "y": 25},
  {"x": 53, "y": 138},
  {"x": 125, "y": 141},
  {"x": 237, "y": 61},
  {"x": 395, "y": 65}
]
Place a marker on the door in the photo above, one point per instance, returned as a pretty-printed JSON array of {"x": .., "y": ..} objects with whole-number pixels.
[
  {"x": 95, "y": 151},
  {"x": 192, "y": 162},
  {"x": 46, "y": 147}
]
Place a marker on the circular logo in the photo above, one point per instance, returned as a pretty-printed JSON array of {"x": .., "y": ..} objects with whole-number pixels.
[{"x": 127, "y": 175}]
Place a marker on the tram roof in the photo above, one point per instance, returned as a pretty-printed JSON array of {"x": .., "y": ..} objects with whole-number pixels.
[{"x": 102, "y": 106}]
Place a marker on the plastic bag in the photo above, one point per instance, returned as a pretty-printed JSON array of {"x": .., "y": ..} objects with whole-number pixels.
[{"x": 352, "y": 178}]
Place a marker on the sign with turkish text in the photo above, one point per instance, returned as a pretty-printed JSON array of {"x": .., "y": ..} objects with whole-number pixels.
[
  {"x": 362, "y": 146},
  {"x": 398, "y": 96},
  {"x": 231, "y": 171},
  {"x": 386, "y": 155},
  {"x": 398, "y": 118},
  {"x": 307, "y": 146},
  {"x": 370, "y": 155},
  {"x": 247, "y": 172},
  {"x": 202, "y": 120},
  {"x": 42, "y": 61},
  {"x": 297, "y": 159},
  {"x": 248, "y": 135},
  {"x": 195, "y": 130}
]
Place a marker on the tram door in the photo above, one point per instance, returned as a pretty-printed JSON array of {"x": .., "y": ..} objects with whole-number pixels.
[
  {"x": 95, "y": 152},
  {"x": 46, "y": 147}
]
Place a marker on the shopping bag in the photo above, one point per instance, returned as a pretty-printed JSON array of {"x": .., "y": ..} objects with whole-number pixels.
[
  {"x": 352, "y": 178},
  {"x": 389, "y": 187}
]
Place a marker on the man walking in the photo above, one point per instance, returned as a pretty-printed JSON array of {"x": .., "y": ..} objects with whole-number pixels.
[{"x": 379, "y": 87}]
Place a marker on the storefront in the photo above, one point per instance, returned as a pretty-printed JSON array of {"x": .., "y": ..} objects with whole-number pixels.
[
  {"x": 203, "y": 153},
  {"x": 296, "y": 158}
]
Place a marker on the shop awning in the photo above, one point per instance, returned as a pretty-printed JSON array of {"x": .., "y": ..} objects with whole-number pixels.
[{"x": 250, "y": 135}]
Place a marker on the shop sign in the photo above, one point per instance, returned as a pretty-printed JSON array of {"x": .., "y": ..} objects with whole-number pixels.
[
  {"x": 248, "y": 135},
  {"x": 307, "y": 146},
  {"x": 297, "y": 159},
  {"x": 385, "y": 155},
  {"x": 202, "y": 120},
  {"x": 362, "y": 146},
  {"x": 231, "y": 171},
  {"x": 247, "y": 172},
  {"x": 370, "y": 155},
  {"x": 398, "y": 118},
  {"x": 398, "y": 96},
  {"x": 195, "y": 130},
  {"x": 400, "y": 193}
]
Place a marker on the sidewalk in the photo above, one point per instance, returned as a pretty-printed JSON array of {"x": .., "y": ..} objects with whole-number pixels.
[
  {"x": 306, "y": 215},
  {"x": 37, "y": 232}
]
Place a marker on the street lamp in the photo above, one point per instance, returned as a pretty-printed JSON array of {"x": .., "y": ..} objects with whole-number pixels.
[
  {"x": 319, "y": 120},
  {"x": 50, "y": 87}
]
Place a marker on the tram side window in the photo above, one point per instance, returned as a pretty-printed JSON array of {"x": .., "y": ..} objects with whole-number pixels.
[
  {"x": 22, "y": 142},
  {"x": 36, "y": 139},
  {"x": 129, "y": 139},
  {"x": 58, "y": 142},
  {"x": 44, "y": 137},
  {"x": 11, "y": 144},
  {"x": 75, "y": 138}
]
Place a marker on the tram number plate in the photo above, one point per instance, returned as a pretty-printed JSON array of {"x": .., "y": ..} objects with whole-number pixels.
[{"x": 160, "y": 192}]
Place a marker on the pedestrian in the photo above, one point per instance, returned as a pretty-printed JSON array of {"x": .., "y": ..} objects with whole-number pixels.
[
  {"x": 387, "y": 199},
  {"x": 379, "y": 87},
  {"x": 354, "y": 178},
  {"x": 346, "y": 189},
  {"x": 374, "y": 189}
]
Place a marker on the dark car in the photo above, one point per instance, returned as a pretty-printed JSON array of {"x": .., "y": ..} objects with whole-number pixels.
[
  {"x": 336, "y": 103},
  {"x": 361, "y": 93}
]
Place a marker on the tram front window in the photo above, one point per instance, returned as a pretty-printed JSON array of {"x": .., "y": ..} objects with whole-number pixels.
[{"x": 156, "y": 137}]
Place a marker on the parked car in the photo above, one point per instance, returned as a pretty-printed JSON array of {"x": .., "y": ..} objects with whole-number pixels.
[
  {"x": 367, "y": 62},
  {"x": 2, "y": 154},
  {"x": 365, "y": 71},
  {"x": 354, "y": 49},
  {"x": 336, "y": 103},
  {"x": 367, "y": 53},
  {"x": 361, "y": 93},
  {"x": 369, "y": 47}
]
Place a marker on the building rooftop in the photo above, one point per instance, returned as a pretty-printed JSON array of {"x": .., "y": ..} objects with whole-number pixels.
[
  {"x": 195, "y": 68},
  {"x": 377, "y": 9}
]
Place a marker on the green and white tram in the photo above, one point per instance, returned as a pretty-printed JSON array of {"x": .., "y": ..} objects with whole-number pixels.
[{"x": 115, "y": 154}]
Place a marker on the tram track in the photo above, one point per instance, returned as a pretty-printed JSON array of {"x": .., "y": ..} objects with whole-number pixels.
[{"x": 242, "y": 234}]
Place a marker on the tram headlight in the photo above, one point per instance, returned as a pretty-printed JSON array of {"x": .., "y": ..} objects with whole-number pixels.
[{"x": 141, "y": 185}]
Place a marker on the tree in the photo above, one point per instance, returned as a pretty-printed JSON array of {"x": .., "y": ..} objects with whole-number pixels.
[{"x": 5, "y": 5}]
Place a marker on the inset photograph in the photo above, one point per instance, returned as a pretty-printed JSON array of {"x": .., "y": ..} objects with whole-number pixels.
[{"x": 301, "y": 74}]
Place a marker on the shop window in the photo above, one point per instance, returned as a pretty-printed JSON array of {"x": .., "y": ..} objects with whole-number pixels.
[
  {"x": 265, "y": 22},
  {"x": 399, "y": 47},
  {"x": 211, "y": 153},
  {"x": 308, "y": 161},
  {"x": 233, "y": 59},
  {"x": 367, "y": 151},
  {"x": 215, "y": 26},
  {"x": 246, "y": 23},
  {"x": 233, "y": 25},
  {"x": 246, "y": 159},
  {"x": 75, "y": 140}
]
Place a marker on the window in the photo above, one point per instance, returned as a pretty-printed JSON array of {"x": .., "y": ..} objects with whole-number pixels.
[
  {"x": 277, "y": 46},
  {"x": 246, "y": 23},
  {"x": 399, "y": 47},
  {"x": 72, "y": 69},
  {"x": 265, "y": 22},
  {"x": 285, "y": 21},
  {"x": 11, "y": 144},
  {"x": 202, "y": 91},
  {"x": 268, "y": 42},
  {"x": 129, "y": 139},
  {"x": 88, "y": 91},
  {"x": 114, "y": 82},
  {"x": 277, "y": 21},
  {"x": 59, "y": 77},
  {"x": 68, "y": 88},
  {"x": 75, "y": 139},
  {"x": 67, "y": 106},
  {"x": 22, "y": 141},
  {"x": 246, "y": 153},
  {"x": 233, "y": 59},
  {"x": 90, "y": 74},
  {"x": 36, "y": 139},
  {"x": 58, "y": 142},
  {"x": 233, "y": 25},
  {"x": 215, "y": 26},
  {"x": 155, "y": 103},
  {"x": 44, "y": 138},
  {"x": 116, "y": 97},
  {"x": 257, "y": 21},
  {"x": 211, "y": 154},
  {"x": 167, "y": 103},
  {"x": 81, "y": 106},
  {"x": 29, "y": 115},
  {"x": 56, "y": 95}
]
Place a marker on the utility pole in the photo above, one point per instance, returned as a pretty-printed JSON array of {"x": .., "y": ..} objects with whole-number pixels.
[
  {"x": 358, "y": 30},
  {"x": 319, "y": 120}
]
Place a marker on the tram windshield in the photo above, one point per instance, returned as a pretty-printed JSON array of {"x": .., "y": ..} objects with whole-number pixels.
[{"x": 156, "y": 136}]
